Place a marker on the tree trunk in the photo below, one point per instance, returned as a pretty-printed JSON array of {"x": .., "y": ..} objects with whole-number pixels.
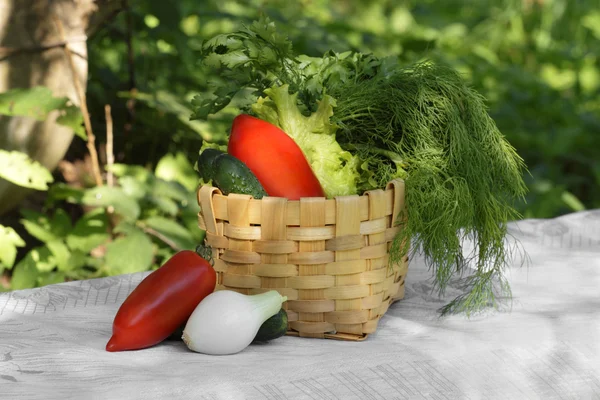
[{"x": 32, "y": 57}]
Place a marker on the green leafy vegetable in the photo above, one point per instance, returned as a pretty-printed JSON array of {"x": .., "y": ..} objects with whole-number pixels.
[
  {"x": 462, "y": 174},
  {"x": 255, "y": 57},
  {"x": 336, "y": 169}
]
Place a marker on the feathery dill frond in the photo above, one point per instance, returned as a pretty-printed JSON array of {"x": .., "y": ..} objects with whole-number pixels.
[{"x": 462, "y": 174}]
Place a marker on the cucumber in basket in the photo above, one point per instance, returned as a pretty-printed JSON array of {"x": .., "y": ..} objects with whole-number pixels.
[
  {"x": 274, "y": 327},
  {"x": 233, "y": 176},
  {"x": 206, "y": 162}
]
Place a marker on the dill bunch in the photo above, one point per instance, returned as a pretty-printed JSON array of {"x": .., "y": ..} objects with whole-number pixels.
[{"x": 462, "y": 176}]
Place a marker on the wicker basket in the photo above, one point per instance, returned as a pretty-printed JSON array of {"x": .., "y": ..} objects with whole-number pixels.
[{"x": 329, "y": 257}]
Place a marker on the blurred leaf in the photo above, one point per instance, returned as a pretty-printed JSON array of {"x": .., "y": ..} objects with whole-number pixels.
[
  {"x": 125, "y": 228},
  {"x": 163, "y": 254},
  {"x": 77, "y": 259},
  {"x": 485, "y": 53},
  {"x": 38, "y": 225},
  {"x": 177, "y": 168},
  {"x": 50, "y": 278},
  {"x": 61, "y": 223},
  {"x": 189, "y": 217},
  {"x": 592, "y": 22},
  {"x": 135, "y": 171},
  {"x": 43, "y": 258},
  {"x": 589, "y": 76},
  {"x": 133, "y": 187},
  {"x": 25, "y": 274},
  {"x": 173, "y": 231},
  {"x": 43, "y": 228},
  {"x": 71, "y": 117},
  {"x": 572, "y": 202},
  {"x": 190, "y": 25},
  {"x": 558, "y": 78},
  {"x": 165, "y": 204},
  {"x": 37, "y": 102},
  {"x": 169, "y": 189},
  {"x": 105, "y": 196},
  {"x": 151, "y": 21},
  {"x": 94, "y": 265},
  {"x": 192, "y": 226},
  {"x": 9, "y": 241},
  {"x": 167, "y": 102},
  {"x": 165, "y": 47},
  {"x": 61, "y": 254},
  {"x": 61, "y": 191},
  {"x": 89, "y": 232},
  {"x": 21, "y": 170},
  {"x": 129, "y": 254}
]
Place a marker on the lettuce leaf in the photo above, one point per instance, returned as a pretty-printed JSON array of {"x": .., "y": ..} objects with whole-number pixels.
[{"x": 337, "y": 169}]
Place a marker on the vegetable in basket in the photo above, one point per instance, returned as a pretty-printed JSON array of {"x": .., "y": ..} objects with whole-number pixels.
[
  {"x": 233, "y": 176},
  {"x": 261, "y": 159},
  {"x": 228, "y": 173},
  {"x": 274, "y": 157},
  {"x": 206, "y": 163},
  {"x": 362, "y": 121},
  {"x": 162, "y": 302}
]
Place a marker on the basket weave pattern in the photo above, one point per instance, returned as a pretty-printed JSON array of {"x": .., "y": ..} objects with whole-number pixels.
[{"x": 329, "y": 257}]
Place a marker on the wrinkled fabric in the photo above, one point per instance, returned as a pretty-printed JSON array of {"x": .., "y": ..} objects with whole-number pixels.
[{"x": 544, "y": 344}]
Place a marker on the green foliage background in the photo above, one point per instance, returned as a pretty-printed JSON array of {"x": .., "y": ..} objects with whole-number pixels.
[{"x": 535, "y": 61}]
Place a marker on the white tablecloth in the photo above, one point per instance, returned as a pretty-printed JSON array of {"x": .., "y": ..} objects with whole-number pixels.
[{"x": 547, "y": 346}]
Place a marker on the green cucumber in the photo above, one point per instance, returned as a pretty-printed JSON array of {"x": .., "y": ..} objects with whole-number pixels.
[
  {"x": 206, "y": 161},
  {"x": 233, "y": 176},
  {"x": 274, "y": 327},
  {"x": 205, "y": 252}
]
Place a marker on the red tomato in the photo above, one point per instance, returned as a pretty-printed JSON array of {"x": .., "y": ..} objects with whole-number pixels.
[
  {"x": 274, "y": 158},
  {"x": 162, "y": 302}
]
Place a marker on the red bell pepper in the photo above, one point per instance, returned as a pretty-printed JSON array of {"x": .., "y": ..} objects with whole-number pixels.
[
  {"x": 275, "y": 159},
  {"x": 162, "y": 302}
]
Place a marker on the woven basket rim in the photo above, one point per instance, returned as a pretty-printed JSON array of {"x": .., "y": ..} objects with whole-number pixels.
[{"x": 218, "y": 192}]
